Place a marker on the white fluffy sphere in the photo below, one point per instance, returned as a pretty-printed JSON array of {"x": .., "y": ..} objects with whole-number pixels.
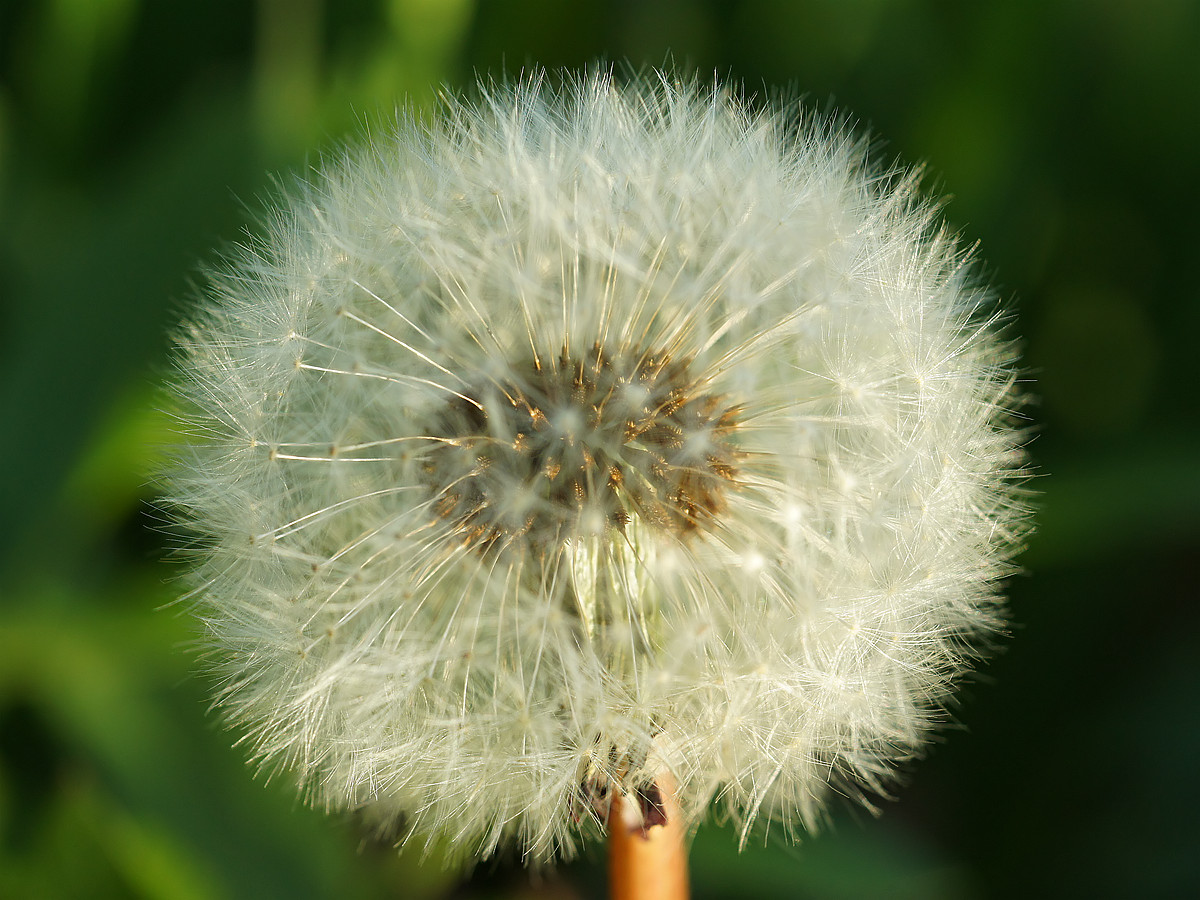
[{"x": 585, "y": 435}]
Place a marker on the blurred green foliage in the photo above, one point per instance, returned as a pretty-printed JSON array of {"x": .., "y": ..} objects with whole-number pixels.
[{"x": 135, "y": 137}]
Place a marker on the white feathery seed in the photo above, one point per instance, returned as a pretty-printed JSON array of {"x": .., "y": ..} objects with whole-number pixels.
[{"x": 586, "y": 434}]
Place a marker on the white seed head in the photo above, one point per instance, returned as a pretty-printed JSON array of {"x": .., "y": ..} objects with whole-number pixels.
[{"x": 589, "y": 433}]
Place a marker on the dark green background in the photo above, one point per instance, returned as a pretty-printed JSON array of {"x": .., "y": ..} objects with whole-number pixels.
[{"x": 134, "y": 137}]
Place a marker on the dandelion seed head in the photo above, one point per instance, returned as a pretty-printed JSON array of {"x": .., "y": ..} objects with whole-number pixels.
[{"x": 585, "y": 434}]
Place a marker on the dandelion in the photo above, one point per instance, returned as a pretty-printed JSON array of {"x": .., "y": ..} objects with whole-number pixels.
[{"x": 590, "y": 439}]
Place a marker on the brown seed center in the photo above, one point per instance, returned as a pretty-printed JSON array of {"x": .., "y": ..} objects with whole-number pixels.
[{"x": 573, "y": 446}]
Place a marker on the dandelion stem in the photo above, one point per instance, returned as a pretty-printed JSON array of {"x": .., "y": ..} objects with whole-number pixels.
[{"x": 647, "y": 860}]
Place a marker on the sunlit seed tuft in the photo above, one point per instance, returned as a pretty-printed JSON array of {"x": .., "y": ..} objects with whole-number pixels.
[{"x": 580, "y": 437}]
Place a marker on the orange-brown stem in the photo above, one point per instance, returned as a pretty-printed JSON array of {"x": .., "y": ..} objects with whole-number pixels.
[{"x": 647, "y": 859}]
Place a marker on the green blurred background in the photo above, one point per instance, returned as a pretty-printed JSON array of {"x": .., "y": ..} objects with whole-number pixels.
[{"x": 135, "y": 135}]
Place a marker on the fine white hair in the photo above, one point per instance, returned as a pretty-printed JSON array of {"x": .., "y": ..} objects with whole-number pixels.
[{"x": 583, "y": 434}]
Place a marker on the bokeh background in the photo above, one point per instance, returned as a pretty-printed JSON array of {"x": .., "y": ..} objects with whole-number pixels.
[{"x": 138, "y": 135}]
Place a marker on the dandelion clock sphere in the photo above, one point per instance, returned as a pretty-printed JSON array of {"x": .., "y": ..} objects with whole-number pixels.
[{"x": 587, "y": 436}]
